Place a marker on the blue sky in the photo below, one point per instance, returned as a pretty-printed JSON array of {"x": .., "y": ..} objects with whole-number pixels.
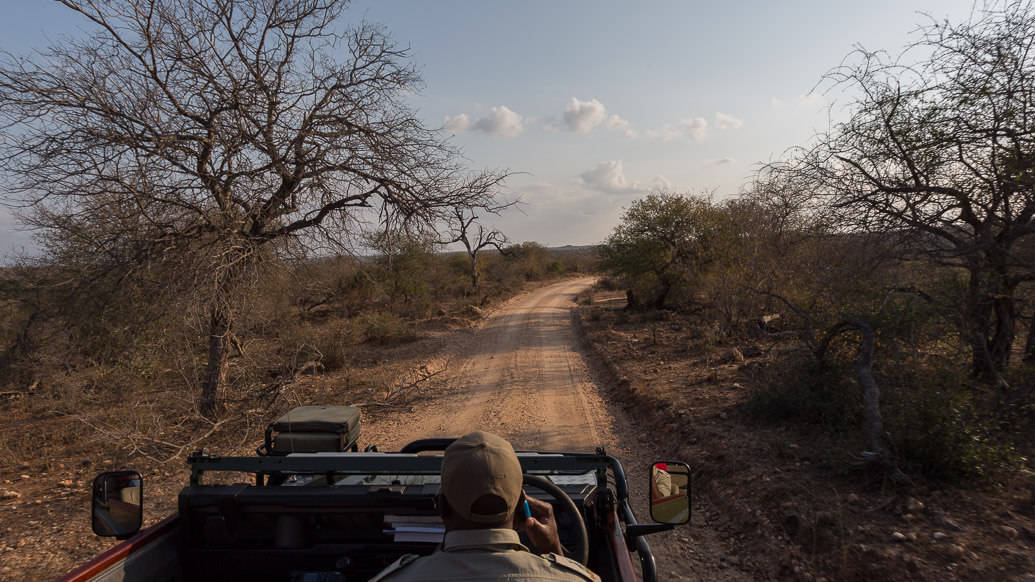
[{"x": 595, "y": 103}]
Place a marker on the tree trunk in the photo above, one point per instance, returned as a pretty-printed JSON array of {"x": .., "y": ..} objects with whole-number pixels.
[
  {"x": 1029, "y": 345},
  {"x": 977, "y": 316},
  {"x": 474, "y": 271},
  {"x": 871, "y": 405},
  {"x": 1001, "y": 344},
  {"x": 632, "y": 302},
  {"x": 991, "y": 324},
  {"x": 216, "y": 372},
  {"x": 662, "y": 296}
]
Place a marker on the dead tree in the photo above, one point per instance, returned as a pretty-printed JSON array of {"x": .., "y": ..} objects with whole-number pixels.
[
  {"x": 474, "y": 237},
  {"x": 209, "y": 136},
  {"x": 880, "y": 450}
]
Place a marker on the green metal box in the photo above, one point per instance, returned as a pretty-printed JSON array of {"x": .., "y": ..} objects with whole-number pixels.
[{"x": 314, "y": 429}]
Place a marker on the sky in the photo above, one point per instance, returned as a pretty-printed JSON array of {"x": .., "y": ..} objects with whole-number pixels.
[{"x": 594, "y": 103}]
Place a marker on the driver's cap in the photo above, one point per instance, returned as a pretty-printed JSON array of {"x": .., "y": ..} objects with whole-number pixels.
[{"x": 481, "y": 477}]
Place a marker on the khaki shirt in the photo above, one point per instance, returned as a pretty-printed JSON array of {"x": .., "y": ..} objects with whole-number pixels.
[
  {"x": 663, "y": 481},
  {"x": 485, "y": 555}
]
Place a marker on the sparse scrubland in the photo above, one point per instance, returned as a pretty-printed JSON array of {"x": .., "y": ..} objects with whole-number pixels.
[
  {"x": 70, "y": 352},
  {"x": 845, "y": 352},
  {"x": 114, "y": 381},
  {"x": 848, "y": 348}
]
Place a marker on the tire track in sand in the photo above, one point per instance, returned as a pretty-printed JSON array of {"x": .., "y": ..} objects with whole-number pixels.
[{"x": 522, "y": 379}]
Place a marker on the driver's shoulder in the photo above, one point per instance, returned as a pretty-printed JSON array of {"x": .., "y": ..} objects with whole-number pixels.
[
  {"x": 571, "y": 566},
  {"x": 402, "y": 562}
]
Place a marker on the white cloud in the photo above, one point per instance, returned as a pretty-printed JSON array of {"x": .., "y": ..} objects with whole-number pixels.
[
  {"x": 609, "y": 177},
  {"x": 562, "y": 213},
  {"x": 583, "y": 116},
  {"x": 617, "y": 123},
  {"x": 694, "y": 129},
  {"x": 501, "y": 120},
  {"x": 724, "y": 121},
  {"x": 661, "y": 184},
  {"x": 457, "y": 123}
]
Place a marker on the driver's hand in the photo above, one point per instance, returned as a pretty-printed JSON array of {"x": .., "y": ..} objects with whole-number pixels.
[{"x": 541, "y": 528}]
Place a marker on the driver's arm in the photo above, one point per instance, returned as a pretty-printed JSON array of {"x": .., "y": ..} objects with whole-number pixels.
[{"x": 541, "y": 527}]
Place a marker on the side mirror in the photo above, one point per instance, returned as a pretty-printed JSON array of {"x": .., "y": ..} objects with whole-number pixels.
[
  {"x": 118, "y": 504},
  {"x": 670, "y": 492}
]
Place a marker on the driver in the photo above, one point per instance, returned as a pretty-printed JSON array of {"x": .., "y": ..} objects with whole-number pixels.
[{"x": 480, "y": 492}]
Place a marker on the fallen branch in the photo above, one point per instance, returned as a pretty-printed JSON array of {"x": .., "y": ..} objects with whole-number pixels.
[
  {"x": 136, "y": 448},
  {"x": 425, "y": 375},
  {"x": 386, "y": 402}
]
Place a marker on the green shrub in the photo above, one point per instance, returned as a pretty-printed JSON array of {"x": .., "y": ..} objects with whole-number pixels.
[
  {"x": 802, "y": 391},
  {"x": 928, "y": 411},
  {"x": 937, "y": 430}
]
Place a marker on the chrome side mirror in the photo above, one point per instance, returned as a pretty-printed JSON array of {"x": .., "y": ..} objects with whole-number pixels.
[
  {"x": 118, "y": 504},
  {"x": 670, "y": 492}
]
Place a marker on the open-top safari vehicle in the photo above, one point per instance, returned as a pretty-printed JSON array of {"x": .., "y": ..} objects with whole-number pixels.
[{"x": 311, "y": 507}]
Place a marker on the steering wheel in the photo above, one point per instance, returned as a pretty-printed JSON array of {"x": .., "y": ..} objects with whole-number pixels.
[{"x": 580, "y": 548}]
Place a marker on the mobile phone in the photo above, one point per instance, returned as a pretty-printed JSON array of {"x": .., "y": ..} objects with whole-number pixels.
[{"x": 526, "y": 509}]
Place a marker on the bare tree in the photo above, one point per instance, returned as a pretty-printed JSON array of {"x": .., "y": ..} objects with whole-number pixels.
[
  {"x": 474, "y": 238},
  {"x": 211, "y": 135},
  {"x": 941, "y": 148}
]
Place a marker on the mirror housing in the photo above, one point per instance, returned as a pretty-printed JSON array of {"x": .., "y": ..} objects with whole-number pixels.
[
  {"x": 118, "y": 504},
  {"x": 670, "y": 486}
]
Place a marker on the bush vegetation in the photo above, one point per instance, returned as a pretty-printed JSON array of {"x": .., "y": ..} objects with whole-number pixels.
[
  {"x": 763, "y": 269},
  {"x": 904, "y": 276},
  {"x": 67, "y": 340}
]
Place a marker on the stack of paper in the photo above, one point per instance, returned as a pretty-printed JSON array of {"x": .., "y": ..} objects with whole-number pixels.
[{"x": 415, "y": 528}]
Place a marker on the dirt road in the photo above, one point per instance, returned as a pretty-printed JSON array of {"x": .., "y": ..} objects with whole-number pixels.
[{"x": 522, "y": 376}]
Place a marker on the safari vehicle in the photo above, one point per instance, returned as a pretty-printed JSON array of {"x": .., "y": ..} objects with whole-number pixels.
[{"x": 314, "y": 508}]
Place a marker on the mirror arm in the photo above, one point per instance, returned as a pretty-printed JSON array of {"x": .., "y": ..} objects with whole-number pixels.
[{"x": 634, "y": 531}]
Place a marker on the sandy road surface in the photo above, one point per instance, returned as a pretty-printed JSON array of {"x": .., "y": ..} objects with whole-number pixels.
[{"x": 521, "y": 375}]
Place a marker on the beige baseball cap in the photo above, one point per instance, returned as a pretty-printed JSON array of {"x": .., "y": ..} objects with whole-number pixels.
[{"x": 481, "y": 477}]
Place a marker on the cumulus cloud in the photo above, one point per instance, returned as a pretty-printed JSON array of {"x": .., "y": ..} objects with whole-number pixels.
[
  {"x": 724, "y": 121},
  {"x": 694, "y": 129},
  {"x": 609, "y": 177},
  {"x": 584, "y": 116},
  {"x": 617, "y": 123},
  {"x": 661, "y": 184},
  {"x": 501, "y": 120},
  {"x": 457, "y": 123}
]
